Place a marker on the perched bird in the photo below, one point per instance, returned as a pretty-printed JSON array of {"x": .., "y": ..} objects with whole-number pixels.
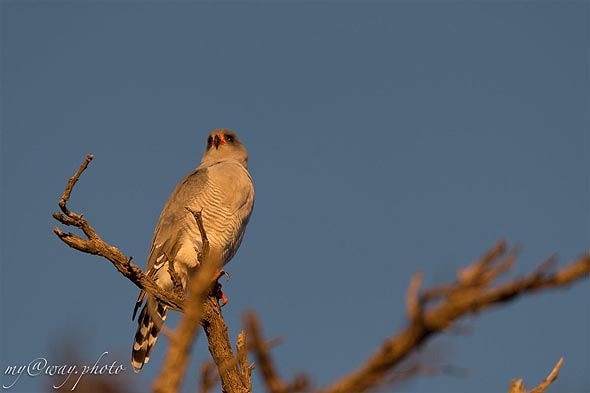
[{"x": 221, "y": 188}]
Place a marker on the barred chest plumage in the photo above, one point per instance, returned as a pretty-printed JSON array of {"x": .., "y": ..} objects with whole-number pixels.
[{"x": 226, "y": 204}]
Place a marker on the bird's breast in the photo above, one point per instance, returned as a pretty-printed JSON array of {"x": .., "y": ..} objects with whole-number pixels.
[{"x": 227, "y": 203}]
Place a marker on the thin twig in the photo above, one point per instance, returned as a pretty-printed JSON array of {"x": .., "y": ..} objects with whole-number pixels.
[
  {"x": 517, "y": 386},
  {"x": 550, "y": 378},
  {"x": 70, "y": 186},
  {"x": 245, "y": 367}
]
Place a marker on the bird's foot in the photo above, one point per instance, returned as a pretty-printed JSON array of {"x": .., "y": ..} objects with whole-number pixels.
[{"x": 217, "y": 287}]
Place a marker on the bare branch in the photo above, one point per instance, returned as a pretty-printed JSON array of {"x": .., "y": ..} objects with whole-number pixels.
[
  {"x": 220, "y": 348},
  {"x": 93, "y": 244},
  {"x": 472, "y": 274},
  {"x": 71, "y": 183},
  {"x": 472, "y": 293},
  {"x": 245, "y": 367},
  {"x": 517, "y": 386},
  {"x": 550, "y": 378}
]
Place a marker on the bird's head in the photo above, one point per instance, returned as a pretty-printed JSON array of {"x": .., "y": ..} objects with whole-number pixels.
[{"x": 222, "y": 145}]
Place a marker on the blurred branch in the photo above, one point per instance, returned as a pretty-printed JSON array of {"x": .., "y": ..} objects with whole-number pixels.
[
  {"x": 434, "y": 310},
  {"x": 517, "y": 386},
  {"x": 208, "y": 377},
  {"x": 93, "y": 244},
  {"x": 270, "y": 376}
]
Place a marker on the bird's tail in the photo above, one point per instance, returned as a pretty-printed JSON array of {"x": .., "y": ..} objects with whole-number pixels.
[{"x": 147, "y": 332}]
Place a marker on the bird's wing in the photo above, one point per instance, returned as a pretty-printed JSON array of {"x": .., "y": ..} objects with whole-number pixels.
[{"x": 168, "y": 233}]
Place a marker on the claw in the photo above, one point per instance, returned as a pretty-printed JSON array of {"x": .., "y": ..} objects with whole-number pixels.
[
  {"x": 218, "y": 275},
  {"x": 219, "y": 294},
  {"x": 217, "y": 287}
]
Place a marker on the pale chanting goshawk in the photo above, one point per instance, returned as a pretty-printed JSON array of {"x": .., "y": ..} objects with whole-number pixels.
[{"x": 221, "y": 188}]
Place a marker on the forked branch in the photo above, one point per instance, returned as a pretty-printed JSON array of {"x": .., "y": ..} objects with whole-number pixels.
[
  {"x": 93, "y": 244},
  {"x": 433, "y": 311}
]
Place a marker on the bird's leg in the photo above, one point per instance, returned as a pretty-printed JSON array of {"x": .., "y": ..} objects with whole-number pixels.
[{"x": 217, "y": 287}]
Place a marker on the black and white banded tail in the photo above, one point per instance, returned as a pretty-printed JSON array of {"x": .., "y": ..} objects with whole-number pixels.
[{"x": 147, "y": 332}]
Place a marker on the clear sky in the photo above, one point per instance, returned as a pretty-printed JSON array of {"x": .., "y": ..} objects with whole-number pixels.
[{"x": 384, "y": 138}]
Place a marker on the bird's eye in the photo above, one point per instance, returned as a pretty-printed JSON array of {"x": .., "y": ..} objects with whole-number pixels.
[
  {"x": 229, "y": 138},
  {"x": 209, "y": 141}
]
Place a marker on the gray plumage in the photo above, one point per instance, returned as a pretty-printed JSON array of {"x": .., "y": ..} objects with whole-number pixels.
[{"x": 222, "y": 188}]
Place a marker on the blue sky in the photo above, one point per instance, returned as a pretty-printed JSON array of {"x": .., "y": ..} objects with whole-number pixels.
[{"x": 384, "y": 138}]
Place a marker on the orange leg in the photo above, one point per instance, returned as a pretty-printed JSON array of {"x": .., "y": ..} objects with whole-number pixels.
[{"x": 217, "y": 287}]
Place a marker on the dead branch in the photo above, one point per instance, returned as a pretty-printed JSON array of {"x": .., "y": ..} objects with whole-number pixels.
[
  {"x": 93, "y": 244},
  {"x": 517, "y": 386},
  {"x": 435, "y": 310},
  {"x": 245, "y": 367},
  {"x": 220, "y": 348}
]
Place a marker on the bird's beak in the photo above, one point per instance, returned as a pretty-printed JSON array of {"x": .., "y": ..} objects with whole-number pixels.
[{"x": 218, "y": 140}]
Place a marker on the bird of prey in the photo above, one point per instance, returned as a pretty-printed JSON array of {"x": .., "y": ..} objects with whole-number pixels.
[{"x": 221, "y": 188}]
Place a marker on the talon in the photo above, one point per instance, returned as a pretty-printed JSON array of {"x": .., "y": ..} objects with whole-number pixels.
[
  {"x": 218, "y": 275},
  {"x": 219, "y": 294},
  {"x": 217, "y": 287}
]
